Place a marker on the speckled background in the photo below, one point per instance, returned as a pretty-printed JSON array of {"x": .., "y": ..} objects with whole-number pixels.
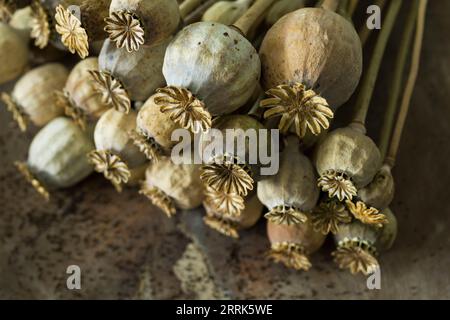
[{"x": 128, "y": 249}]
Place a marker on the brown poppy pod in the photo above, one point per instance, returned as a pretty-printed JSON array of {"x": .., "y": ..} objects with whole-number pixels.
[
  {"x": 311, "y": 65},
  {"x": 293, "y": 190},
  {"x": 57, "y": 157},
  {"x": 134, "y": 23},
  {"x": 292, "y": 244},
  {"x": 13, "y": 53},
  {"x": 116, "y": 156},
  {"x": 78, "y": 98},
  {"x": 123, "y": 77},
  {"x": 81, "y": 26},
  {"x": 171, "y": 186},
  {"x": 33, "y": 97}
]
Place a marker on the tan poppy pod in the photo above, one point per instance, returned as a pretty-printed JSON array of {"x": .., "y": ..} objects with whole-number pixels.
[
  {"x": 346, "y": 160},
  {"x": 230, "y": 225},
  {"x": 230, "y": 171},
  {"x": 311, "y": 65},
  {"x": 380, "y": 192},
  {"x": 211, "y": 68},
  {"x": 79, "y": 26},
  {"x": 57, "y": 157},
  {"x": 293, "y": 191},
  {"x": 79, "y": 98},
  {"x": 116, "y": 156},
  {"x": 226, "y": 12},
  {"x": 292, "y": 244},
  {"x": 171, "y": 186},
  {"x": 123, "y": 77},
  {"x": 281, "y": 8},
  {"x": 21, "y": 20},
  {"x": 13, "y": 53},
  {"x": 33, "y": 96},
  {"x": 43, "y": 22},
  {"x": 358, "y": 244},
  {"x": 134, "y": 23}
]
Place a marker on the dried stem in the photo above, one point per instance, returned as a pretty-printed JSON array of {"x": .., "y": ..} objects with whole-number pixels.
[
  {"x": 187, "y": 6},
  {"x": 197, "y": 14},
  {"x": 331, "y": 5},
  {"x": 410, "y": 84},
  {"x": 397, "y": 80},
  {"x": 342, "y": 8},
  {"x": 365, "y": 95},
  {"x": 351, "y": 8},
  {"x": 365, "y": 32},
  {"x": 253, "y": 16}
]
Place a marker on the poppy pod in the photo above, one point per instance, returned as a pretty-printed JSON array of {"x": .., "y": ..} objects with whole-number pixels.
[
  {"x": 311, "y": 64},
  {"x": 358, "y": 244},
  {"x": 292, "y": 244},
  {"x": 116, "y": 156},
  {"x": 293, "y": 190},
  {"x": 57, "y": 157},
  {"x": 233, "y": 169},
  {"x": 120, "y": 77},
  {"x": 380, "y": 192},
  {"x": 82, "y": 26},
  {"x": 78, "y": 98},
  {"x": 346, "y": 160},
  {"x": 218, "y": 215},
  {"x": 210, "y": 70},
  {"x": 43, "y": 22},
  {"x": 32, "y": 98},
  {"x": 13, "y": 53},
  {"x": 171, "y": 186},
  {"x": 134, "y": 23}
]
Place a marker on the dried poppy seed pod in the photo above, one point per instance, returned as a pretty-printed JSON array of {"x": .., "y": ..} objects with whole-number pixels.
[
  {"x": 79, "y": 98},
  {"x": 119, "y": 78},
  {"x": 21, "y": 20},
  {"x": 231, "y": 225},
  {"x": 170, "y": 186},
  {"x": 281, "y": 8},
  {"x": 388, "y": 233},
  {"x": 346, "y": 160},
  {"x": 13, "y": 53},
  {"x": 380, "y": 192},
  {"x": 133, "y": 23},
  {"x": 78, "y": 28},
  {"x": 292, "y": 244},
  {"x": 293, "y": 190},
  {"x": 116, "y": 156},
  {"x": 43, "y": 22},
  {"x": 210, "y": 70},
  {"x": 226, "y": 12},
  {"x": 311, "y": 64},
  {"x": 229, "y": 170},
  {"x": 329, "y": 215},
  {"x": 62, "y": 165},
  {"x": 33, "y": 96}
]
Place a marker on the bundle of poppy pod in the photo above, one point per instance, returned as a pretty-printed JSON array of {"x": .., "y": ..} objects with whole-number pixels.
[{"x": 206, "y": 68}]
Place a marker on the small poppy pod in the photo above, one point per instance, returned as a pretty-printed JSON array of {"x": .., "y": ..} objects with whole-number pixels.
[
  {"x": 21, "y": 21},
  {"x": 13, "y": 53},
  {"x": 311, "y": 65},
  {"x": 171, "y": 186},
  {"x": 346, "y": 160},
  {"x": 358, "y": 244},
  {"x": 154, "y": 130},
  {"x": 80, "y": 27},
  {"x": 116, "y": 156},
  {"x": 293, "y": 190},
  {"x": 226, "y": 12},
  {"x": 292, "y": 244},
  {"x": 380, "y": 192},
  {"x": 57, "y": 157},
  {"x": 133, "y": 23},
  {"x": 79, "y": 99},
  {"x": 33, "y": 99},
  {"x": 228, "y": 169},
  {"x": 43, "y": 22},
  {"x": 230, "y": 225},
  {"x": 121, "y": 76},
  {"x": 210, "y": 70}
]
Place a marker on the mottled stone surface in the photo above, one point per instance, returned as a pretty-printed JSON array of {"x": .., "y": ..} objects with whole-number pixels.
[{"x": 128, "y": 249}]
